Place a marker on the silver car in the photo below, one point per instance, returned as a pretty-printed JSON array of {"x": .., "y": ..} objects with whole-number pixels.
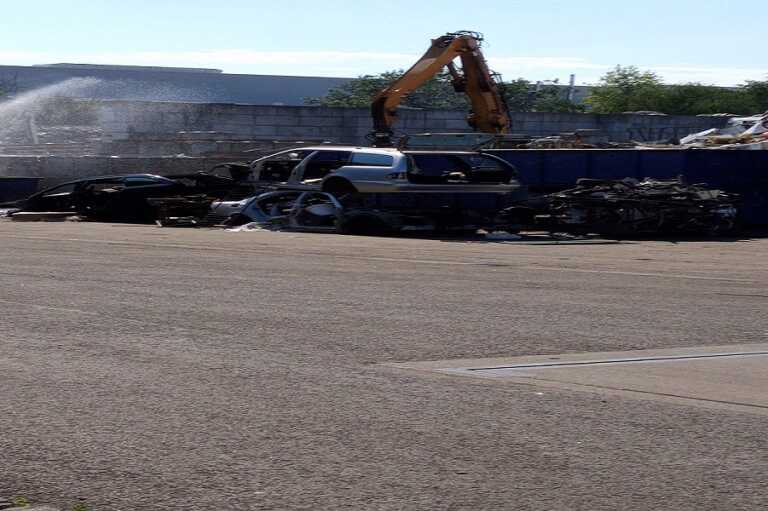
[{"x": 342, "y": 169}]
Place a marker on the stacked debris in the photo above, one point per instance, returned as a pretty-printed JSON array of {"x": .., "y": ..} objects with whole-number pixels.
[
  {"x": 740, "y": 133},
  {"x": 629, "y": 207},
  {"x": 580, "y": 139},
  {"x": 315, "y": 211}
]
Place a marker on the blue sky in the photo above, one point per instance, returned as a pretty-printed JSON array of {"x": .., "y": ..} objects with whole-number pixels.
[{"x": 711, "y": 41}]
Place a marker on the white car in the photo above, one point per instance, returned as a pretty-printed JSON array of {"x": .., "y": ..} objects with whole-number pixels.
[{"x": 341, "y": 170}]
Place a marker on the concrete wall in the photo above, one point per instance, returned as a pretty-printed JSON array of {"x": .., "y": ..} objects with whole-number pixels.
[{"x": 122, "y": 119}]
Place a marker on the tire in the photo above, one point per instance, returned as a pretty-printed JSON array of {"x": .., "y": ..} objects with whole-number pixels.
[
  {"x": 366, "y": 225},
  {"x": 339, "y": 188}
]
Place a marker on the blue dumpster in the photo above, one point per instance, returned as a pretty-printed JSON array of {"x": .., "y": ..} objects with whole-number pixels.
[
  {"x": 739, "y": 171},
  {"x": 15, "y": 188}
]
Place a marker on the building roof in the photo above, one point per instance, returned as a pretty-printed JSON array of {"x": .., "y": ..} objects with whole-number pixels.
[
  {"x": 115, "y": 67},
  {"x": 145, "y": 83}
]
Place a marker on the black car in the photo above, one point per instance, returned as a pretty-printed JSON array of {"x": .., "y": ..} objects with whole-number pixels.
[
  {"x": 124, "y": 198},
  {"x": 110, "y": 198}
]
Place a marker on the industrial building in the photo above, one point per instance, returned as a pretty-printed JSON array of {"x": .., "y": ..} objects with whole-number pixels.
[
  {"x": 169, "y": 83},
  {"x": 199, "y": 85}
]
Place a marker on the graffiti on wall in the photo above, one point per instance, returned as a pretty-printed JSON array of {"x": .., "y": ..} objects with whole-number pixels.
[{"x": 651, "y": 134}]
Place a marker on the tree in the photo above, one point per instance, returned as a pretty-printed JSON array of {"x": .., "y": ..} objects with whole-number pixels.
[
  {"x": 437, "y": 92},
  {"x": 520, "y": 95},
  {"x": 758, "y": 94},
  {"x": 551, "y": 98},
  {"x": 696, "y": 98},
  {"x": 626, "y": 89}
]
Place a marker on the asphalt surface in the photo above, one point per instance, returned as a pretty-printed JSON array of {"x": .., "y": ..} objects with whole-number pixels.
[{"x": 145, "y": 368}]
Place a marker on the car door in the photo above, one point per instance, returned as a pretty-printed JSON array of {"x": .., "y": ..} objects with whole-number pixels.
[
  {"x": 310, "y": 172},
  {"x": 58, "y": 198},
  {"x": 135, "y": 190},
  {"x": 279, "y": 167}
]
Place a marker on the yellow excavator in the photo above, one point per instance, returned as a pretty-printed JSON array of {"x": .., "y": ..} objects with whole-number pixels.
[{"x": 482, "y": 87}]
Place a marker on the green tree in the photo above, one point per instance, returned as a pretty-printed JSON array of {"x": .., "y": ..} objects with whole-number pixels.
[
  {"x": 437, "y": 92},
  {"x": 551, "y": 98},
  {"x": 695, "y": 98},
  {"x": 626, "y": 89},
  {"x": 758, "y": 95},
  {"x": 520, "y": 95}
]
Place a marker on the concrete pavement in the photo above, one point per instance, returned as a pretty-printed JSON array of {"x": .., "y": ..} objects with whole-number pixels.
[{"x": 146, "y": 368}]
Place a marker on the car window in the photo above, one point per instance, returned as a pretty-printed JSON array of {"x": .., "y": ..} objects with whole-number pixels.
[
  {"x": 483, "y": 161},
  {"x": 230, "y": 171},
  {"x": 331, "y": 156},
  {"x": 324, "y": 162},
  {"x": 373, "y": 160},
  {"x": 98, "y": 186},
  {"x": 278, "y": 167},
  {"x": 59, "y": 190},
  {"x": 277, "y": 204},
  {"x": 140, "y": 181},
  {"x": 437, "y": 164},
  {"x": 290, "y": 156}
]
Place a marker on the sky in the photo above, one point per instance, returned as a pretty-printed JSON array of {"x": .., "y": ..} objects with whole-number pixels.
[{"x": 708, "y": 41}]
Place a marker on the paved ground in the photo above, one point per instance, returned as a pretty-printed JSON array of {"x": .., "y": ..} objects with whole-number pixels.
[
  {"x": 145, "y": 368},
  {"x": 733, "y": 376}
]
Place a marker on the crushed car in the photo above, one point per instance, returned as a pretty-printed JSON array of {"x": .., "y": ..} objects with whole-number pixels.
[
  {"x": 341, "y": 170},
  {"x": 281, "y": 210},
  {"x": 375, "y": 214},
  {"x": 140, "y": 198},
  {"x": 108, "y": 198},
  {"x": 628, "y": 207},
  {"x": 378, "y": 190}
]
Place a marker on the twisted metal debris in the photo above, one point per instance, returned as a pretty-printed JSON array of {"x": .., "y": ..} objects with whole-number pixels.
[{"x": 629, "y": 207}]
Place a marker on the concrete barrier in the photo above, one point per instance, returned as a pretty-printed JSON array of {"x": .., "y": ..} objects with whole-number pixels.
[{"x": 120, "y": 120}]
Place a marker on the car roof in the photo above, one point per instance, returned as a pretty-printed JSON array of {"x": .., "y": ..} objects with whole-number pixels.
[
  {"x": 375, "y": 150},
  {"x": 103, "y": 178},
  {"x": 118, "y": 176},
  {"x": 349, "y": 148},
  {"x": 438, "y": 151},
  {"x": 381, "y": 150}
]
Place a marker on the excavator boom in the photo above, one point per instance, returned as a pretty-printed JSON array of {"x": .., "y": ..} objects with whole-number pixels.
[{"x": 489, "y": 111}]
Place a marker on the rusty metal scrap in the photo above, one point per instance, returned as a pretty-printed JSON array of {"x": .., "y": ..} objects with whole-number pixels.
[{"x": 629, "y": 207}]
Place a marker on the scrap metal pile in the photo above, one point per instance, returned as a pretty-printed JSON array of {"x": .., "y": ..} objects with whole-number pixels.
[
  {"x": 749, "y": 133},
  {"x": 629, "y": 207},
  {"x": 386, "y": 191}
]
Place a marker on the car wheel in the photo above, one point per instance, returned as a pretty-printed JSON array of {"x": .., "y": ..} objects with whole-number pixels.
[
  {"x": 339, "y": 188},
  {"x": 366, "y": 225}
]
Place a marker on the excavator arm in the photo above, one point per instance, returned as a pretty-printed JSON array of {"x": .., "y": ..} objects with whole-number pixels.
[{"x": 489, "y": 110}]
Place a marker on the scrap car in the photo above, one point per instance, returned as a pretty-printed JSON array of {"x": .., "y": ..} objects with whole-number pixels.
[
  {"x": 105, "y": 198},
  {"x": 315, "y": 211},
  {"x": 140, "y": 197},
  {"x": 382, "y": 189},
  {"x": 341, "y": 170}
]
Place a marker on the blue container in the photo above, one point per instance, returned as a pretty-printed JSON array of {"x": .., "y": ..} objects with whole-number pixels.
[
  {"x": 15, "y": 188},
  {"x": 740, "y": 171}
]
